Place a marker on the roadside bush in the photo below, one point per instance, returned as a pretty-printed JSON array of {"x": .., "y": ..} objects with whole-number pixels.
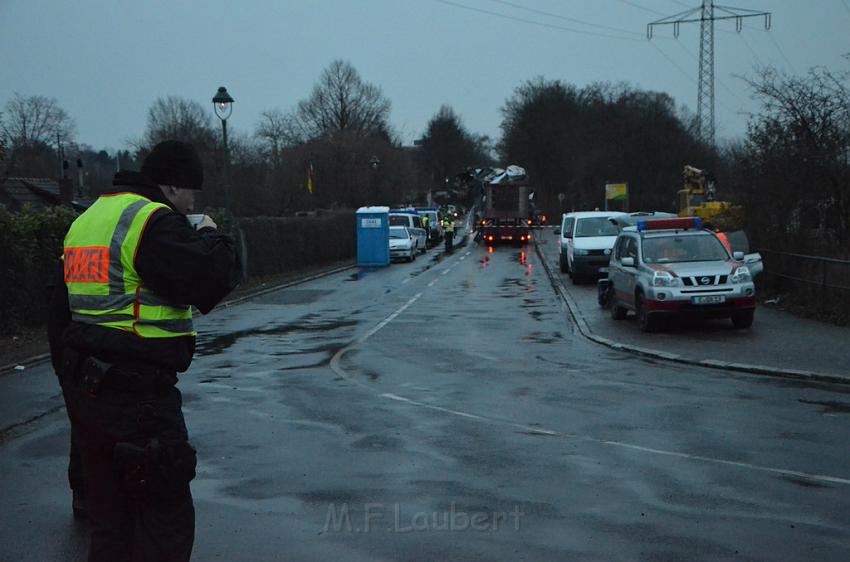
[
  {"x": 30, "y": 247},
  {"x": 280, "y": 244}
]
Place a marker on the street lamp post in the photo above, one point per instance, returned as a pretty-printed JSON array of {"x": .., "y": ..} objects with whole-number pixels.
[{"x": 223, "y": 105}]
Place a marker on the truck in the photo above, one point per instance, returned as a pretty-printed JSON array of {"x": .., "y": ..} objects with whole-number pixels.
[
  {"x": 697, "y": 199},
  {"x": 505, "y": 217}
]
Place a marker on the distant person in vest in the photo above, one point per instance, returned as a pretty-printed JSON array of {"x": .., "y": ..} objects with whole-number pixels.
[
  {"x": 426, "y": 224},
  {"x": 120, "y": 330}
]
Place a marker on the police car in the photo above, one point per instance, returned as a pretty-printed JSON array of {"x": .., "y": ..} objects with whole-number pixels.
[{"x": 673, "y": 266}]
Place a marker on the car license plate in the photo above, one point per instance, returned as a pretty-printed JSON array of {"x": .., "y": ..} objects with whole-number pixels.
[{"x": 709, "y": 299}]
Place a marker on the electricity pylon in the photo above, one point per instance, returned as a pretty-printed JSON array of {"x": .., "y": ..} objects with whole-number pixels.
[{"x": 706, "y": 15}]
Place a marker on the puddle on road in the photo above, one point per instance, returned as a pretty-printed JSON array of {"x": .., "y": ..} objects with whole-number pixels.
[
  {"x": 829, "y": 407},
  {"x": 220, "y": 343}
]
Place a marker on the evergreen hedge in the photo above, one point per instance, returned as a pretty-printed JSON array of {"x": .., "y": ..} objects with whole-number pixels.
[{"x": 31, "y": 245}]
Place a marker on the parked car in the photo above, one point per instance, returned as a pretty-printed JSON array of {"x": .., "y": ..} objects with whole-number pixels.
[
  {"x": 586, "y": 239},
  {"x": 402, "y": 243},
  {"x": 434, "y": 225},
  {"x": 413, "y": 222},
  {"x": 667, "y": 267}
]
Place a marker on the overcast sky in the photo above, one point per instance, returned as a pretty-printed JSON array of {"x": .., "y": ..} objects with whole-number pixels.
[{"x": 106, "y": 61}]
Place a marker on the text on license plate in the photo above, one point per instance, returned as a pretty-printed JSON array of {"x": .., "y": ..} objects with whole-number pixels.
[{"x": 709, "y": 299}]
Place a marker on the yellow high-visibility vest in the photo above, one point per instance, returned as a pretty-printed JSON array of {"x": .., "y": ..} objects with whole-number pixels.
[{"x": 103, "y": 285}]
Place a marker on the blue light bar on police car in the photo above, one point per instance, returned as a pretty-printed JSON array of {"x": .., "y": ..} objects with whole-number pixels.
[{"x": 670, "y": 224}]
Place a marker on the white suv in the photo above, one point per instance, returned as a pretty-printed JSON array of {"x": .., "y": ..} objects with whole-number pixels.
[
  {"x": 673, "y": 266},
  {"x": 586, "y": 239}
]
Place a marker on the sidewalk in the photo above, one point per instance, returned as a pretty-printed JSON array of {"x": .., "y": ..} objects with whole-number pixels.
[{"x": 779, "y": 343}]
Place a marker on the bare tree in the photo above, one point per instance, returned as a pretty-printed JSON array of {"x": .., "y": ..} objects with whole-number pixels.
[
  {"x": 278, "y": 130},
  {"x": 35, "y": 120},
  {"x": 342, "y": 101},
  {"x": 181, "y": 119}
]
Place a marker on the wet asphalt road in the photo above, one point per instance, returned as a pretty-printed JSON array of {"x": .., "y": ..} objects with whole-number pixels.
[
  {"x": 447, "y": 410},
  {"x": 777, "y": 339}
]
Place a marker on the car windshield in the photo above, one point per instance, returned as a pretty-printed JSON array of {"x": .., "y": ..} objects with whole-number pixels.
[
  {"x": 674, "y": 249},
  {"x": 595, "y": 226},
  {"x": 398, "y": 233}
]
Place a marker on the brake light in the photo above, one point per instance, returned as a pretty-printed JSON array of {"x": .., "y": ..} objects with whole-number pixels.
[
  {"x": 668, "y": 224},
  {"x": 543, "y": 218}
]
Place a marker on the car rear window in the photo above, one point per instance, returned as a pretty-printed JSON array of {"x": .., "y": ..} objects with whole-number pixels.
[{"x": 595, "y": 226}]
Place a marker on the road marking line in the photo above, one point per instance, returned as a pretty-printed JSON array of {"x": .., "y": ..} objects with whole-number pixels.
[
  {"x": 431, "y": 284},
  {"x": 335, "y": 366},
  {"x": 772, "y": 470},
  {"x": 334, "y": 363},
  {"x": 406, "y": 280},
  {"x": 463, "y": 414}
]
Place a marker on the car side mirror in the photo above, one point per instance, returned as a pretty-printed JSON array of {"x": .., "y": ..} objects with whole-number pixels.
[
  {"x": 628, "y": 261},
  {"x": 738, "y": 256},
  {"x": 557, "y": 232}
]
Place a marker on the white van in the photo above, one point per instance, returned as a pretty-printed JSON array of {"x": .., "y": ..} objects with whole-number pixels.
[
  {"x": 413, "y": 222},
  {"x": 586, "y": 239}
]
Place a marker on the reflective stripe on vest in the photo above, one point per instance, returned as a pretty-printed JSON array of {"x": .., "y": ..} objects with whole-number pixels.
[{"x": 103, "y": 286}]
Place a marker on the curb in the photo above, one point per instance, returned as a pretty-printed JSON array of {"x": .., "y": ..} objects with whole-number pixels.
[
  {"x": 38, "y": 359},
  {"x": 584, "y": 329}
]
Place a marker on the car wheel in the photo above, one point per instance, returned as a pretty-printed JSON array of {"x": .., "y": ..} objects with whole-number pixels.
[
  {"x": 744, "y": 319},
  {"x": 563, "y": 264},
  {"x": 577, "y": 279},
  {"x": 646, "y": 320},
  {"x": 617, "y": 312}
]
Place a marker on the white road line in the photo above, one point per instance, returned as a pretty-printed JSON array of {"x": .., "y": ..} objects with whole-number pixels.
[
  {"x": 335, "y": 366},
  {"x": 445, "y": 271},
  {"x": 406, "y": 280},
  {"x": 464, "y": 414}
]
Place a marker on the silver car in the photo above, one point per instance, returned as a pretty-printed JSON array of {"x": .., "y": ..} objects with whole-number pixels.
[
  {"x": 402, "y": 243},
  {"x": 672, "y": 266}
]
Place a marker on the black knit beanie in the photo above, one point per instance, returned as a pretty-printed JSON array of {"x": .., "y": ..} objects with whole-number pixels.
[{"x": 174, "y": 163}]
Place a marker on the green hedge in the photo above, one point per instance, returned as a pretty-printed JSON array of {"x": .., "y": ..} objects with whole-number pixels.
[
  {"x": 30, "y": 247},
  {"x": 31, "y": 244},
  {"x": 280, "y": 244}
]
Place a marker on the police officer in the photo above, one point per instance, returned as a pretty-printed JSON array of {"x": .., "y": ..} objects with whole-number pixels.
[
  {"x": 449, "y": 231},
  {"x": 426, "y": 224},
  {"x": 133, "y": 267}
]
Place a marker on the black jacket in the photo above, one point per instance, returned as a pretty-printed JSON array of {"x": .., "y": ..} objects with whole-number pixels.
[{"x": 175, "y": 261}]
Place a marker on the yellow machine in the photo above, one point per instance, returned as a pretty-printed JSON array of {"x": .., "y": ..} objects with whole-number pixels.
[{"x": 696, "y": 199}]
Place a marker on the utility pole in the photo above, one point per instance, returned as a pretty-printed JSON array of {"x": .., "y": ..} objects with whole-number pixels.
[{"x": 706, "y": 15}]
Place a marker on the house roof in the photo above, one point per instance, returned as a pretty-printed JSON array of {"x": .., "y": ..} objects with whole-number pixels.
[{"x": 15, "y": 192}]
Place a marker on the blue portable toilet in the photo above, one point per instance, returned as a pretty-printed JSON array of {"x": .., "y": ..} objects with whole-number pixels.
[{"x": 373, "y": 236}]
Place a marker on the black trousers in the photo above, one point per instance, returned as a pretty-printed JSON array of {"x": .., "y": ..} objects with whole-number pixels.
[
  {"x": 75, "y": 457},
  {"x": 128, "y": 524}
]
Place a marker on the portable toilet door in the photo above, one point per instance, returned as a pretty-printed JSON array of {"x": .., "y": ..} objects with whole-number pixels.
[{"x": 373, "y": 236}]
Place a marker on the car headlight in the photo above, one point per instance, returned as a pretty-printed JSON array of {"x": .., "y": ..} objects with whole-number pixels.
[
  {"x": 741, "y": 275},
  {"x": 581, "y": 252},
  {"x": 664, "y": 279}
]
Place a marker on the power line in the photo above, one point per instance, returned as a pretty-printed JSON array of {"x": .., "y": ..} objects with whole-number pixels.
[
  {"x": 706, "y": 16},
  {"x": 537, "y": 23},
  {"x": 639, "y": 7},
  {"x": 781, "y": 52},
  {"x": 566, "y": 18},
  {"x": 718, "y": 80}
]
